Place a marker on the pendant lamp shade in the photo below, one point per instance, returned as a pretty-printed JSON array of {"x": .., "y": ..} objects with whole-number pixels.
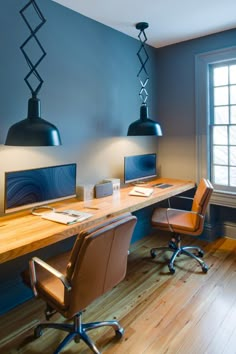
[
  {"x": 144, "y": 125},
  {"x": 34, "y": 130}
]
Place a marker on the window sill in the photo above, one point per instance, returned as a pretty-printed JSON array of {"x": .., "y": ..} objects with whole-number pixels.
[{"x": 223, "y": 199}]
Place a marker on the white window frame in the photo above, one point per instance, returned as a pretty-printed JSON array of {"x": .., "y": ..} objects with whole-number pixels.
[
  {"x": 229, "y": 187},
  {"x": 202, "y": 62}
]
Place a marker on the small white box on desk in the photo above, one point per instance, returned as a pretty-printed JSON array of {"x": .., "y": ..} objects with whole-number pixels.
[
  {"x": 103, "y": 189},
  {"x": 85, "y": 191},
  {"x": 115, "y": 183}
]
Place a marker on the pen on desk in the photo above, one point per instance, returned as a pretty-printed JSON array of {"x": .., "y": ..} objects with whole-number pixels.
[
  {"x": 139, "y": 192},
  {"x": 66, "y": 213},
  {"x": 88, "y": 207}
]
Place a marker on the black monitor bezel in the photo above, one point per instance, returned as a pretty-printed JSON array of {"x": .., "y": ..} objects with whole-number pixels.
[
  {"x": 44, "y": 202},
  {"x": 140, "y": 179}
]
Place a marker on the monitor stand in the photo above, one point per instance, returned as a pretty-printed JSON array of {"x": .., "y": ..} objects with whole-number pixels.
[{"x": 138, "y": 183}]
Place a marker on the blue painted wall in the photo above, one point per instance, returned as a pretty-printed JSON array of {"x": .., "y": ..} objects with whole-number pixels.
[
  {"x": 91, "y": 94},
  {"x": 89, "y": 72}
]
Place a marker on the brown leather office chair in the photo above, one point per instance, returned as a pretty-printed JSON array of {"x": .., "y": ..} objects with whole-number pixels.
[
  {"x": 184, "y": 222},
  {"x": 68, "y": 283}
]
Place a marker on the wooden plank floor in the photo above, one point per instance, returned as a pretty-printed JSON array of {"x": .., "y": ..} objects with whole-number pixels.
[{"x": 186, "y": 313}]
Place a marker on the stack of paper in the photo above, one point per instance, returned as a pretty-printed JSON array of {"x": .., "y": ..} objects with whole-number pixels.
[
  {"x": 67, "y": 216},
  {"x": 141, "y": 191}
]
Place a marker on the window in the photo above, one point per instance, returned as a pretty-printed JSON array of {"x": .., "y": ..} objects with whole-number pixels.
[
  {"x": 215, "y": 74},
  {"x": 222, "y": 122}
]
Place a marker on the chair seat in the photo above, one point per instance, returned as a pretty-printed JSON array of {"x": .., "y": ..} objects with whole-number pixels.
[{"x": 179, "y": 220}]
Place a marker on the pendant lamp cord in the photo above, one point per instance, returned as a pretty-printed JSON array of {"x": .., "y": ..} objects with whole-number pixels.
[
  {"x": 23, "y": 47},
  {"x": 143, "y": 58}
]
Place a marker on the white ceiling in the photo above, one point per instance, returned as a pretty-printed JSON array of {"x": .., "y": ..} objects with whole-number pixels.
[{"x": 170, "y": 21}]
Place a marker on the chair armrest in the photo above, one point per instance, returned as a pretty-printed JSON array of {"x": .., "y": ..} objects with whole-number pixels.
[
  {"x": 181, "y": 197},
  {"x": 178, "y": 197},
  {"x": 179, "y": 211},
  {"x": 167, "y": 218},
  {"x": 48, "y": 268}
]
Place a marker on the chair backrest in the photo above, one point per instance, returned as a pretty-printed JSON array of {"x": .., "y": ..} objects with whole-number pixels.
[
  {"x": 201, "y": 200},
  {"x": 98, "y": 261}
]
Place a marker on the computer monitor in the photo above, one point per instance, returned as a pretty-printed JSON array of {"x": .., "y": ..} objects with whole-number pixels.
[
  {"x": 140, "y": 167},
  {"x": 29, "y": 188}
]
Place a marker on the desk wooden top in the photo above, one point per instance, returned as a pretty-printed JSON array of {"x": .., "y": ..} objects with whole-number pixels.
[{"x": 22, "y": 232}]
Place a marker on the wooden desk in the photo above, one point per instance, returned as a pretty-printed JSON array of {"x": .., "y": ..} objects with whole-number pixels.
[{"x": 22, "y": 233}]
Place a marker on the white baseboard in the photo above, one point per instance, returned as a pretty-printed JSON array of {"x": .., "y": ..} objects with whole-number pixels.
[{"x": 229, "y": 230}]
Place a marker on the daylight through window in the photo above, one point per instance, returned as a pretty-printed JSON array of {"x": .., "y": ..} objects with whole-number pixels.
[{"x": 222, "y": 86}]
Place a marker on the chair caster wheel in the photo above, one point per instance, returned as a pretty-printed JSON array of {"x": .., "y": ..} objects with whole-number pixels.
[
  {"x": 205, "y": 268},
  {"x": 38, "y": 332},
  {"x": 77, "y": 339},
  {"x": 172, "y": 245},
  {"x": 171, "y": 269},
  {"x": 153, "y": 253},
  {"x": 119, "y": 333},
  {"x": 200, "y": 254}
]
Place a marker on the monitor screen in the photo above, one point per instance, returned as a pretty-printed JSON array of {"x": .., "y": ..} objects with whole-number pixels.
[
  {"x": 39, "y": 186},
  {"x": 139, "y": 167}
]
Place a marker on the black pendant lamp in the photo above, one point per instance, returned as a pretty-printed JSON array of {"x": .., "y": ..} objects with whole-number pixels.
[
  {"x": 144, "y": 125},
  {"x": 34, "y": 130}
]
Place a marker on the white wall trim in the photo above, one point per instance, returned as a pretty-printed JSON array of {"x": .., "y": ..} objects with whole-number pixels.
[
  {"x": 229, "y": 230},
  {"x": 202, "y": 62},
  {"x": 223, "y": 199}
]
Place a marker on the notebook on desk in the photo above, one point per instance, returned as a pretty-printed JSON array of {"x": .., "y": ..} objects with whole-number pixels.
[
  {"x": 162, "y": 185},
  {"x": 141, "y": 191},
  {"x": 66, "y": 217}
]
